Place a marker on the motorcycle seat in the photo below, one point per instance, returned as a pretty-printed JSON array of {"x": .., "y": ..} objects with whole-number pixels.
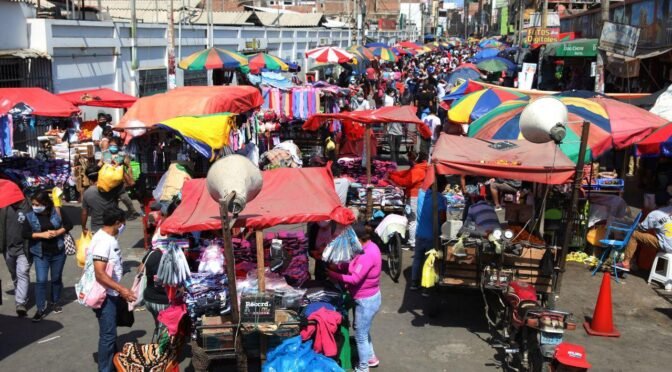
[{"x": 525, "y": 306}]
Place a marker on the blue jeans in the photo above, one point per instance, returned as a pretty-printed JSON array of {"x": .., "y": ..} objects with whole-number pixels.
[
  {"x": 44, "y": 264},
  {"x": 107, "y": 337},
  {"x": 421, "y": 247},
  {"x": 365, "y": 310}
]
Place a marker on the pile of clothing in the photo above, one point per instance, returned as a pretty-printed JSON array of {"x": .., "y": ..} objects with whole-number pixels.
[
  {"x": 29, "y": 172},
  {"x": 295, "y": 103},
  {"x": 352, "y": 167},
  {"x": 283, "y": 155},
  {"x": 207, "y": 294},
  {"x": 383, "y": 196},
  {"x": 455, "y": 200}
]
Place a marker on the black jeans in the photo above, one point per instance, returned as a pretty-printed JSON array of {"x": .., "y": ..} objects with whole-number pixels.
[{"x": 395, "y": 144}]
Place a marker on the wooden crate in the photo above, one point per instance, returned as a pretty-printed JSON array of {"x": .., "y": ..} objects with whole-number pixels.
[
  {"x": 530, "y": 257},
  {"x": 218, "y": 338}
]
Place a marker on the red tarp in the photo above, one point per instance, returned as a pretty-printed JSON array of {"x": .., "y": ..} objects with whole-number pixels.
[
  {"x": 289, "y": 196},
  {"x": 190, "y": 101},
  {"x": 542, "y": 163},
  {"x": 391, "y": 114},
  {"x": 102, "y": 97},
  {"x": 41, "y": 101},
  {"x": 11, "y": 193}
]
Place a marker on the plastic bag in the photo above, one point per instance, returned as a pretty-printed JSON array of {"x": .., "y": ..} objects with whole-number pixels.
[
  {"x": 429, "y": 275},
  {"x": 89, "y": 292},
  {"x": 343, "y": 248},
  {"x": 82, "y": 246},
  {"x": 211, "y": 260},
  {"x": 293, "y": 356},
  {"x": 109, "y": 177}
]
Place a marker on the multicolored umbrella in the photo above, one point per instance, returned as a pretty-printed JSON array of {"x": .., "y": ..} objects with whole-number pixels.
[
  {"x": 463, "y": 74},
  {"x": 613, "y": 124},
  {"x": 409, "y": 45},
  {"x": 263, "y": 61},
  {"x": 212, "y": 58},
  {"x": 462, "y": 89},
  {"x": 384, "y": 54},
  {"x": 329, "y": 55},
  {"x": 205, "y": 133},
  {"x": 474, "y": 105},
  {"x": 376, "y": 45},
  {"x": 658, "y": 143},
  {"x": 490, "y": 43},
  {"x": 496, "y": 64},
  {"x": 362, "y": 52}
]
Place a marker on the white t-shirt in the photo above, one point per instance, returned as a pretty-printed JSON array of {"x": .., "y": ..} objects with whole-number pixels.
[
  {"x": 105, "y": 247},
  {"x": 97, "y": 133},
  {"x": 342, "y": 185},
  {"x": 661, "y": 221},
  {"x": 388, "y": 101},
  {"x": 433, "y": 122}
]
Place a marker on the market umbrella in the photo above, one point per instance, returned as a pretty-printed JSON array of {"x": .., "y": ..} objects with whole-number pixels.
[
  {"x": 384, "y": 54},
  {"x": 658, "y": 143},
  {"x": 399, "y": 51},
  {"x": 462, "y": 89},
  {"x": 485, "y": 54},
  {"x": 468, "y": 65},
  {"x": 463, "y": 74},
  {"x": 496, "y": 64},
  {"x": 474, "y": 105},
  {"x": 329, "y": 55},
  {"x": 614, "y": 124},
  {"x": 376, "y": 45},
  {"x": 263, "y": 61},
  {"x": 490, "y": 43},
  {"x": 410, "y": 45},
  {"x": 411, "y": 51},
  {"x": 212, "y": 58},
  {"x": 11, "y": 193},
  {"x": 362, "y": 52}
]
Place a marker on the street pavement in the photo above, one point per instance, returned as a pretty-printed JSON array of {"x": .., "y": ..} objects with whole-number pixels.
[{"x": 405, "y": 339}]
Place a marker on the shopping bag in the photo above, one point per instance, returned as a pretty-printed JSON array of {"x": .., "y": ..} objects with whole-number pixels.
[
  {"x": 89, "y": 292},
  {"x": 70, "y": 245},
  {"x": 110, "y": 176},
  {"x": 82, "y": 246},
  {"x": 139, "y": 285},
  {"x": 429, "y": 275},
  {"x": 125, "y": 317}
]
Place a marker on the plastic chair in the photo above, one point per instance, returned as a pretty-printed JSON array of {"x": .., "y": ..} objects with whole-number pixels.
[
  {"x": 612, "y": 246},
  {"x": 664, "y": 276}
]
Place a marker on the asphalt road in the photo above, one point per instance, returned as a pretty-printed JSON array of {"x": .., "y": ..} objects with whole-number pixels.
[{"x": 405, "y": 339}]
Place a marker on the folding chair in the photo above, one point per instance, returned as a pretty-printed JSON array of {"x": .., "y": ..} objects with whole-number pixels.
[{"x": 612, "y": 246}]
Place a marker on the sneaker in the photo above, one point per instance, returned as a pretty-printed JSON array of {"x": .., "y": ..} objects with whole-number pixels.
[
  {"x": 374, "y": 362},
  {"x": 498, "y": 208},
  {"x": 414, "y": 287},
  {"x": 21, "y": 311},
  {"x": 39, "y": 315},
  {"x": 620, "y": 266},
  {"x": 57, "y": 309}
]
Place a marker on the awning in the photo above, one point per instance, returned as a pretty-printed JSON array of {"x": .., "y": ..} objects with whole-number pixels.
[
  {"x": 102, "y": 97},
  {"x": 572, "y": 48},
  {"x": 628, "y": 67},
  {"x": 384, "y": 115},
  {"x": 542, "y": 163},
  {"x": 41, "y": 101},
  {"x": 24, "y": 53},
  {"x": 288, "y": 196},
  {"x": 190, "y": 101}
]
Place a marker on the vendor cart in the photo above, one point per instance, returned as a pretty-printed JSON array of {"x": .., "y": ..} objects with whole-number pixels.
[
  {"x": 280, "y": 202},
  {"x": 522, "y": 160}
]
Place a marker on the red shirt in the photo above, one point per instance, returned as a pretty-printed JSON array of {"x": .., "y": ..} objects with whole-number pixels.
[
  {"x": 371, "y": 73},
  {"x": 411, "y": 179}
]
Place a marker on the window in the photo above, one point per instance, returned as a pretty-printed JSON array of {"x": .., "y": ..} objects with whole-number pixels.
[
  {"x": 152, "y": 81},
  {"x": 192, "y": 78}
]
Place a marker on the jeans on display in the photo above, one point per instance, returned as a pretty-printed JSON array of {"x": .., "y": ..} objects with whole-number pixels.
[
  {"x": 19, "y": 268},
  {"x": 365, "y": 310},
  {"x": 421, "y": 247},
  {"x": 49, "y": 265},
  {"x": 107, "y": 336}
]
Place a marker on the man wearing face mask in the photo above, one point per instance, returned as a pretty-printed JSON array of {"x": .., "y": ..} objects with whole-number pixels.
[
  {"x": 361, "y": 104},
  {"x": 15, "y": 249},
  {"x": 97, "y": 134},
  {"x": 105, "y": 251}
]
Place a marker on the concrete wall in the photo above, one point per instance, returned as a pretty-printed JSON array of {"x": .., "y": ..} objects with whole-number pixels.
[{"x": 13, "y": 21}]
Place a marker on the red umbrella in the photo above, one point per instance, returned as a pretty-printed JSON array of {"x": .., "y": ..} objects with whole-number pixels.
[
  {"x": 410, "y": 45},
  {"x": 329, "y": 55},
  {"x": 11, "y": 193}
]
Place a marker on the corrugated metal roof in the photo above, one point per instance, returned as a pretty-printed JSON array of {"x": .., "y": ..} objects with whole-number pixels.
[
  {"x": 224, "y": 18},
  {"x": 288, "y": 19}
]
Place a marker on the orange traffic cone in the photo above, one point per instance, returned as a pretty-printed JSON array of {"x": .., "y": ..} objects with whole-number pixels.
[{"x": 602, "y": 323}]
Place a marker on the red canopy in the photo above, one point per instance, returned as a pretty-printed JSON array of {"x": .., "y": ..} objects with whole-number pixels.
[
  {"x": 542, "y": 163},
  {"x": 11, "y": 193},
  {"x": 390, "y": 114},
  {"x": 102, "y": 97},
  {"x": 190, "y": 101},
  {"x": 289, "y": 196},
  {"x": 41, "y": 101}
]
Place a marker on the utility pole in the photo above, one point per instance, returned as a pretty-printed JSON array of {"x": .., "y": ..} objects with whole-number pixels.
[
  {"x": 544, "y": 14},
  {"x": 172, "y": 81},
  {"x": 521, "y": 21},
  {"x": 599, "y": 75}
]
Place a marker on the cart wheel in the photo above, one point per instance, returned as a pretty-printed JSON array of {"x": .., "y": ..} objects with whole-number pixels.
[{"x": 394, "y": 257}]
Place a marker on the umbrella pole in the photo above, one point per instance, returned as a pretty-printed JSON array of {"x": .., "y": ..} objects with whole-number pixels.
[
  {"x": 369, "y": 191},
  {"x": 573, "y": 207}
]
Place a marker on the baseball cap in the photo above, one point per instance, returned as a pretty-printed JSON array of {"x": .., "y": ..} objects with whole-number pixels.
[{"x": 572, "y": 355}]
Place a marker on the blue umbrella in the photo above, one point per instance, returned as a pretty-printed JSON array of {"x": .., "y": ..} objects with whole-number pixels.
[
  {"x": 464, "y": 74},
  {"x": 484, "y": 54},
  {"x": 374, "y": 45}
]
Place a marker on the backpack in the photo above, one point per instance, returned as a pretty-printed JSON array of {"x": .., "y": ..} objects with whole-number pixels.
[{"x": 89, "y": 292}]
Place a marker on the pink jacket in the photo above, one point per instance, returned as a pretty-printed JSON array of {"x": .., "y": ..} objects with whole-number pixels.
[
  {"x": 327, "y": 325},
  {"x": 363, "y": 277}
]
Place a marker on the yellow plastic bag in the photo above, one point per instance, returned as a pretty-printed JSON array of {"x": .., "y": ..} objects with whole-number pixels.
[
  {"x": 56, "y": 195},
  {"x": 429, "y": 275},
  {"x": 82, "y": 246},
  {"x": 110, "y": 176}
]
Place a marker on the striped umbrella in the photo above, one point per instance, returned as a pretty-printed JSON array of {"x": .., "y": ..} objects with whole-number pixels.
[
  {"x": 362, "y": 52},
  {"x": 329, "y": 55},
  {"x": 474, "y": 105},
  {"x": 384, "y": 54},
  {"x": 490, "y": 43},
  {"x": 614, "y": 124},
  {"x": 462, "y": 90},
  {"x": 213, "y": 58},
  {"x": 263, "y": 61}
]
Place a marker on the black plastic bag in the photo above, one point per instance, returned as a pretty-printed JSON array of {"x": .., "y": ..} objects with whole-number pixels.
[{"x": 125, "y": 317}]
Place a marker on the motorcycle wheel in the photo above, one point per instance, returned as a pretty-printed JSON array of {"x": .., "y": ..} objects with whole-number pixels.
[
  {"x": 394, "y": 257},
  {"x": 535, "y": 359}
]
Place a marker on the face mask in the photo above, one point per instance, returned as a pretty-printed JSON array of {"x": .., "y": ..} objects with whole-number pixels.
[
  {"x": 122, "y": 227},
  {"x": 39, "y": 208},
  {"x": 114, "y": 149},
  {"x": 360, "y": 99}
]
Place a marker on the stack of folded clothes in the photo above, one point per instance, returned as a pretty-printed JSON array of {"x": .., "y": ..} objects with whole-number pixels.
[
  {"x": 207, "y": 294},
  {"x": 352, "y": 167}
]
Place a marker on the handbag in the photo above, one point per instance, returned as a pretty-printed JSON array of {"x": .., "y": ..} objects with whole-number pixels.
[
  {"x": 125, "y": 317},
  {"x": 70, "y": 246},
  {"x": 89, "y": 292},
  {"x": 139, "y": 285}
]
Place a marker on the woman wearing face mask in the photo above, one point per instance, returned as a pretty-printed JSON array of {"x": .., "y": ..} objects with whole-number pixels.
[
  {"x": 115, "y": 156},
  {"x": 44, "y": 228}
]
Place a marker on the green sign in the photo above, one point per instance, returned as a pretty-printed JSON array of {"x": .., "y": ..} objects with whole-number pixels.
[
  {"x": 574, "y": 48},
  {"x": 504, "y": 20}
]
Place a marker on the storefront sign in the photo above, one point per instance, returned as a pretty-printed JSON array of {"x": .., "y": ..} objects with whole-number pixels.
[
  {"x": 540, "y": 36},
  {"x": 257, "y": 308},
  {"x": 619, "y": 38}
]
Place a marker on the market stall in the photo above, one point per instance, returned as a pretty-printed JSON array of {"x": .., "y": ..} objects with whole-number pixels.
[
  {"x": 280, "y": 202},
  {"x": 102, "y": 97}
]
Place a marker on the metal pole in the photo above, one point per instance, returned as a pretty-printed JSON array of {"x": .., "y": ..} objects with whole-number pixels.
[
  {"x": 227, "y": 223},
  {"x": 171, "y": 48},
  {"x": 369, "y": 191},
  {"x": 573, "y": 207},
  {"x": 521, "y": 21},
  {"x": 435, "y": 208}
]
